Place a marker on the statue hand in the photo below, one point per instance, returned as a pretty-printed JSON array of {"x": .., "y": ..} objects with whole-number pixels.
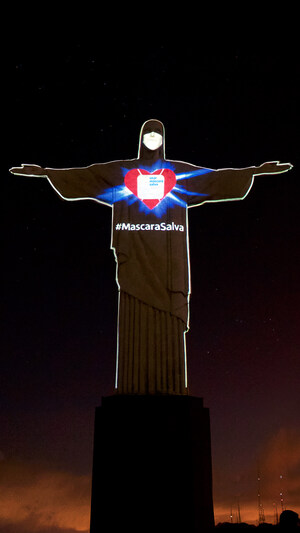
[
  {"x": 29, "y": 170},
  {"x": 274, "y": 167}
]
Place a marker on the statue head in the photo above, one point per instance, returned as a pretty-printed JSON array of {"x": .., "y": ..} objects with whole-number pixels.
[{"x": 151, "y": 145}]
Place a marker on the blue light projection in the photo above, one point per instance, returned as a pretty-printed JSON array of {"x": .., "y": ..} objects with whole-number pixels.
[
  {"x": 193, "y": 173},
  {"x": 121, "y": 192}
]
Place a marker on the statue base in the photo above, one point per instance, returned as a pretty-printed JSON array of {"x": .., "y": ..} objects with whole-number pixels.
[{"x": 152, "y": 466}]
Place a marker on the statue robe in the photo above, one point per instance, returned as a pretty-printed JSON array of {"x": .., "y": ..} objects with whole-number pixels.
[{"x": 151, "y": 250}]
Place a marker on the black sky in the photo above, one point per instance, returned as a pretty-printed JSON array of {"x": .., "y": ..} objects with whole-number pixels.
[{"x": 78, "y": 103}]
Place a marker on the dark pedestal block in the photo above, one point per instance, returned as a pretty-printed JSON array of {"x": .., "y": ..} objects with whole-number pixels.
[{"x": 152, "y": 466}]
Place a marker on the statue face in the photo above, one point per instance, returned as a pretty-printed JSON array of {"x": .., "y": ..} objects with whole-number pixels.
[{"x": 152, "y": 140}]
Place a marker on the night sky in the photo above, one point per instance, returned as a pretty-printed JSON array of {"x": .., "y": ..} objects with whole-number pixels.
[{"x": 77, "y": 102}]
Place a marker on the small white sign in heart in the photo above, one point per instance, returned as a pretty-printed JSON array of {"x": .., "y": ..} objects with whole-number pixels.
[{"x": 150, "y": 186}]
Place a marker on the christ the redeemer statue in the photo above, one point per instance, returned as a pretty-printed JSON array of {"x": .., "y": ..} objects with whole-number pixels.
[{"x": 150, "y": 197}]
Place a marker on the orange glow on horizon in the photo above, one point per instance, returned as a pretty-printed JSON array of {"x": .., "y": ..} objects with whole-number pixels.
[
  {"x": 41, "y": 498},
  {"x": 279, "y": 482},
  {"x": 35, "y": 498},
  {"x": 248, "y": 512}
]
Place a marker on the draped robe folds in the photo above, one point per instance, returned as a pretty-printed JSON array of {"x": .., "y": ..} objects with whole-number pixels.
[{"x": 151, "y": 249}]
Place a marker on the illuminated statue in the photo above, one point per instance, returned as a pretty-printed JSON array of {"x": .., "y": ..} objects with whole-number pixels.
[{"x": 150, "y": 197}]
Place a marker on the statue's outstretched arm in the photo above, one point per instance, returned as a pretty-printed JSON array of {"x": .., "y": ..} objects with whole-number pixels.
[
  {"x": 231, "y": 183},
  {"x": 75, "y": 183}
]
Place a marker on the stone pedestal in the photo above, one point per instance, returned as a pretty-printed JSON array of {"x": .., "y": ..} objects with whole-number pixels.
[{"x": 152, "y": 466}]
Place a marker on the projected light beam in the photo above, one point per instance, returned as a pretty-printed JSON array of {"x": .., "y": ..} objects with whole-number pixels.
[{"x": 193, "y": 173}]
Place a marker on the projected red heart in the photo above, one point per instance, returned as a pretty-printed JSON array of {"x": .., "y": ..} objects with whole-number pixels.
[{"x": 150, "y": 187}]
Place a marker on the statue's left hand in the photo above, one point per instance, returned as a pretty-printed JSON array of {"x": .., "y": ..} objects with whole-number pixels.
[
  {"x": 274, "y": 167},
  {"x": 28, "y": 170}
]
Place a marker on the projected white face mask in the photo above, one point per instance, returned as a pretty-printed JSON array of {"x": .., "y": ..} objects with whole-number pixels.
[{"x": 152, "y": 140}]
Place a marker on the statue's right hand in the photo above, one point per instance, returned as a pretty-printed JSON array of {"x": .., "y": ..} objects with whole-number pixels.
[{"x": 29, "y": 170}]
